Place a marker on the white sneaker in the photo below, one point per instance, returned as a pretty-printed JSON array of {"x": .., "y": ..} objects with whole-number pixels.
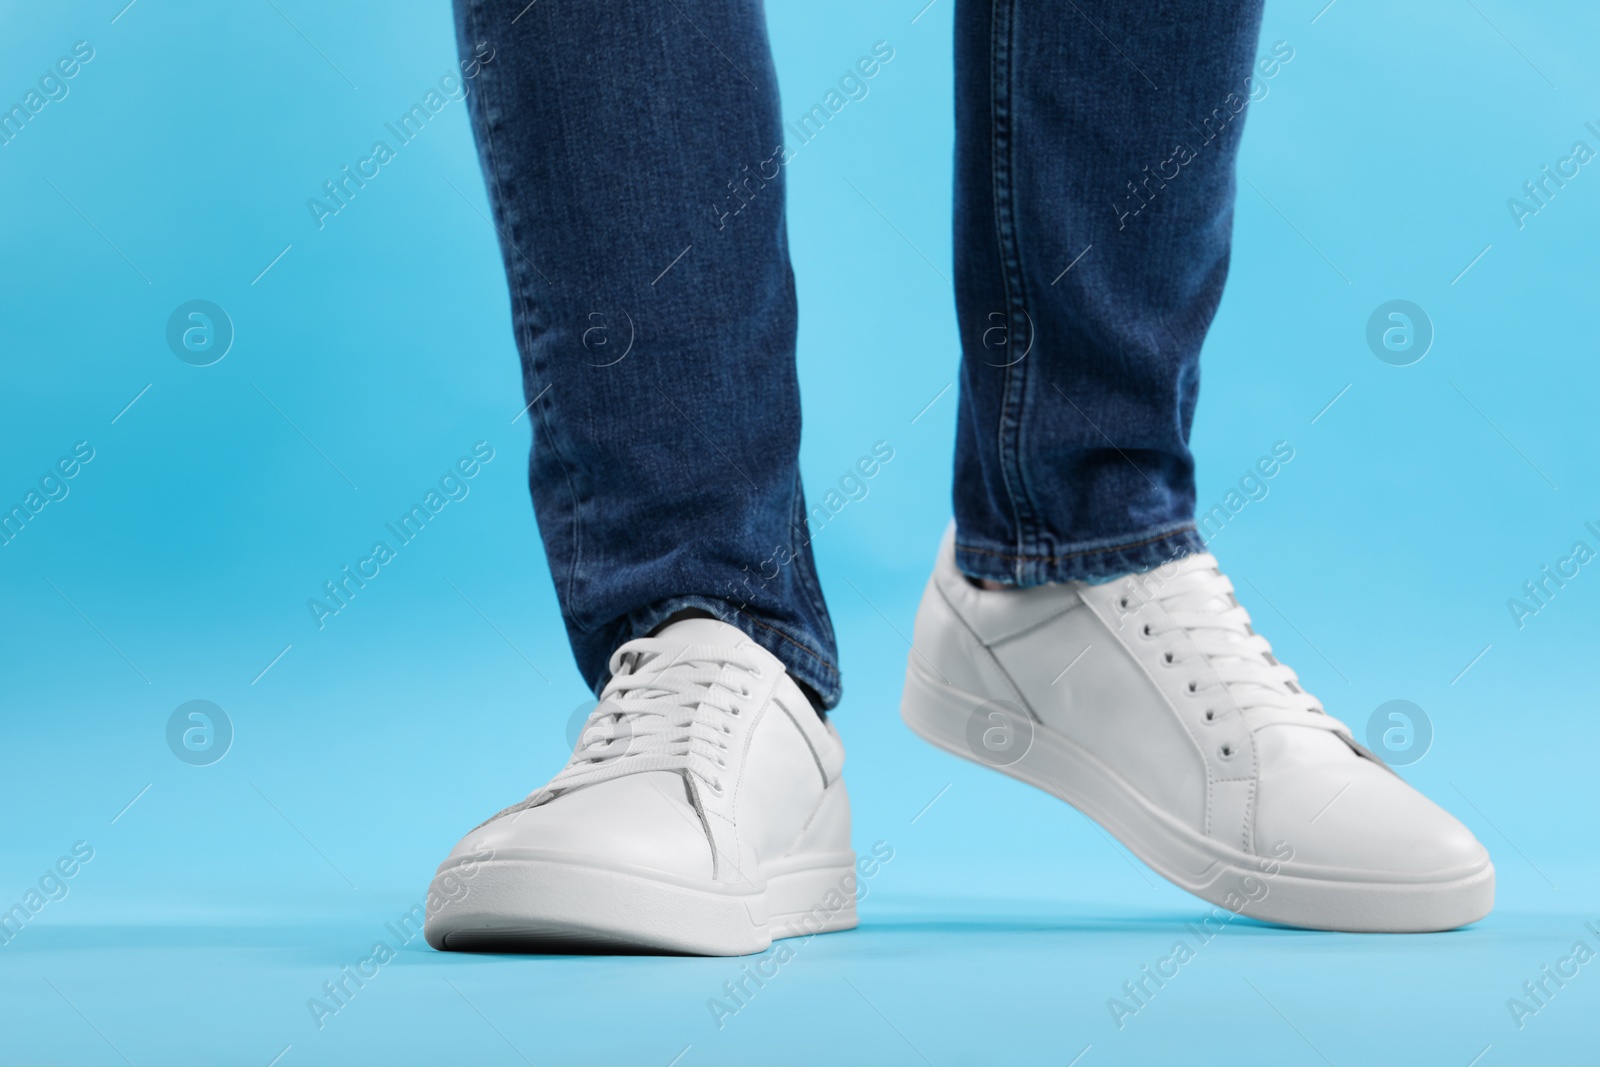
[
  {"x": 703, "y": 811},
  {"x": 1149, "y": 704}
]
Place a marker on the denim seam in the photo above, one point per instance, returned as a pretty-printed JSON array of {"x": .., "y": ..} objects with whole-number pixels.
[
  {"x": 524, "y": 328},
  {"x": 808, "y": 580},
  {"x": 827, "y": 664},
  {"x": 1009, "y": 426},
  {"x": 1147, "y": 531},
  {"x": 1183, "y": 528}
]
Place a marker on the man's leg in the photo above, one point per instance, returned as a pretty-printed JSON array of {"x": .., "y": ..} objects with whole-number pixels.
[
  {"x": 1094, "y": 203},
  {"x": 1095, "y": 148},
  {"x": 634, "y": 161},
  {"x": 632, "y": 155}
]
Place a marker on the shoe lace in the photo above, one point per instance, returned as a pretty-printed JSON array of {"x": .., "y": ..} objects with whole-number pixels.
[
  {"x": 666, "y": 708},
  {"x": 1199, "y": 601}
]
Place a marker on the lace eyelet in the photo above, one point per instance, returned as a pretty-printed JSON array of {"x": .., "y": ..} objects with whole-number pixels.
[
  {"x": 1193, "y": 689},
  {"x": 1123, "y": 603},
  {"x": 1147, "y": 632},
  {"x": 1167, "y": 658},
  {"x": 1226, "y": 751},
  {"x": 1211, "y": 715}
]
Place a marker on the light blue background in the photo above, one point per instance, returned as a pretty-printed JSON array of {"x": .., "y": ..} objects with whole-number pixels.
[{"x": 178, "y": 567}]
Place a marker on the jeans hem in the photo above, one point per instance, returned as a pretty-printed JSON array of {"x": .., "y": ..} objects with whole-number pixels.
[
  {"x": 801, "y": 659},
  {"x": 1084, "y": 561}
]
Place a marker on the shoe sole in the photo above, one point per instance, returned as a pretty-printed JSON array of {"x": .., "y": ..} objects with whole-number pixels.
[
  {"x": 1317, "y": 898},
  {"x": 554, "y": 905}
]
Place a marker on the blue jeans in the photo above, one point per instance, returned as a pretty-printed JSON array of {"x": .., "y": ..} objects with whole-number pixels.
[{"x": 634, "y": 156}]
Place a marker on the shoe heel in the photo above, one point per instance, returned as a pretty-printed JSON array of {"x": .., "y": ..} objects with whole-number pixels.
[{"x": 955, "y": 720}]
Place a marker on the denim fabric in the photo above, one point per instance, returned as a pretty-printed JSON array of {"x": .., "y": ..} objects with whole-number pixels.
[
  {"x": 1095, "y": 149},
  {"x": 634, "y": 159}
]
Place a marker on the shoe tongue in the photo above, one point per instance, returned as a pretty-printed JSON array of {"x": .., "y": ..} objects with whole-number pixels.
[
  {"x": 1206, "y": 563},
  {"x": 1214, "y": 605},
  {"x": 1200, "y": 602}
]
